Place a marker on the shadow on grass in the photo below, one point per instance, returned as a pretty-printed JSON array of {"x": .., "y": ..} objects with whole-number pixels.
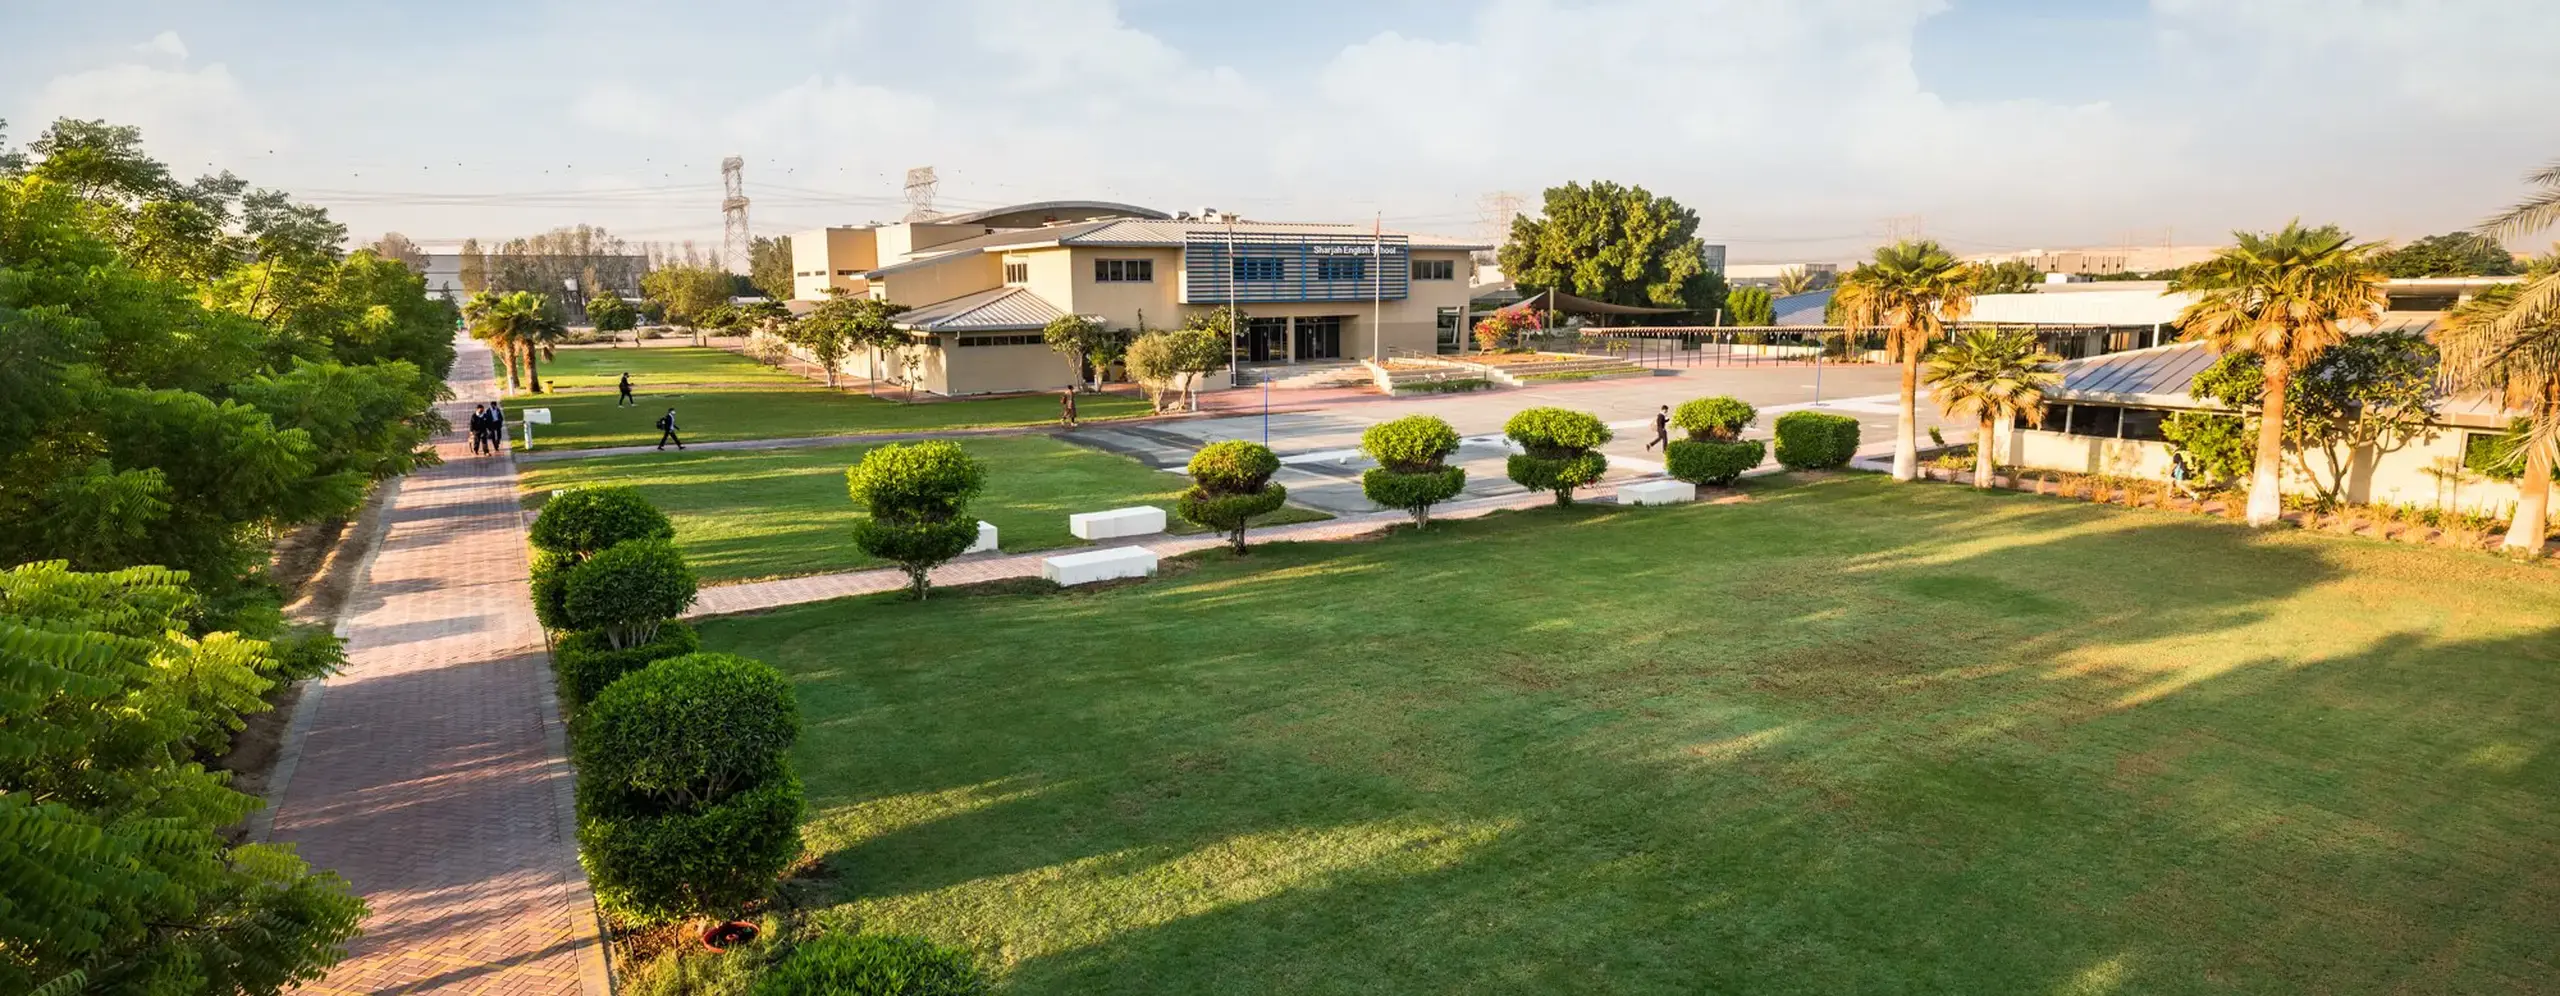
[{"x": 1839, "y": 738}]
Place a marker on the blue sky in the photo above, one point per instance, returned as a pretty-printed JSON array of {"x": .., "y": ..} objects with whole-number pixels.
[{"x": 1793, "y": 128}]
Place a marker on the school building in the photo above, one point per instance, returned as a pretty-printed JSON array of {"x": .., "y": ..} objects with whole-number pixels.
[{"x": 980, "y": 287}]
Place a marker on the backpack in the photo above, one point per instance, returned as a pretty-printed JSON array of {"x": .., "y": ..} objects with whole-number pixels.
[{"x": 666, "y": 423}]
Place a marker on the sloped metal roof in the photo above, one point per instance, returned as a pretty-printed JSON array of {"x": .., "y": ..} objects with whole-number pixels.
[
  {"x": 1004, "y": 309},
  {"x": 1017, "y": 215},
  {"x": 2142, "y": 306},
  {"x": 1802, "y": 309},
  {"x": 2161, "y": 375},
  {"x": 1172, "y": 233}
]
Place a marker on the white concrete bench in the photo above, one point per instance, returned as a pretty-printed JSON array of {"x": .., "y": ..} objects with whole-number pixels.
[
  {"x": 1143, "y": 520},
  {"x": 1099, "y": 565},
  {"x": 986, "y": 538},
  {"x": 1657, "y": 493}
]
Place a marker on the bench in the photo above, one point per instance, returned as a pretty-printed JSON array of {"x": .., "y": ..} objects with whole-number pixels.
[
  {"x": 1142, "y": 520},
  {"x": 1099, "y": 565},
  {"x": 986, "y": 538},
  {"x": 1657, "y": 493}
]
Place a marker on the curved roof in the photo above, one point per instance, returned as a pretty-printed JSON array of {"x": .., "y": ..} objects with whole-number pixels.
[{"x": 1039, "y": 213}]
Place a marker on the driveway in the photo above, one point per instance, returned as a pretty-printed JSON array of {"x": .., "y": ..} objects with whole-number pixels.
[{"x": 1319, "y": 447}]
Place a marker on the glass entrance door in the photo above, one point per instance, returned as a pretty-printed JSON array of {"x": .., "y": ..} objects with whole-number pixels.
[
  {"x": 1319, "y": 338},
  {"x": 1264, "y": 340}
]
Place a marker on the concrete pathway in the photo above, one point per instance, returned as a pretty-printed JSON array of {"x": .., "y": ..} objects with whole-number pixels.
[{"x": 432, "y": 773}]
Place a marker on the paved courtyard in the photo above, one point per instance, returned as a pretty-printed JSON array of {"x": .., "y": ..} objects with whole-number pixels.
[{"x": 1320, "y": 449}]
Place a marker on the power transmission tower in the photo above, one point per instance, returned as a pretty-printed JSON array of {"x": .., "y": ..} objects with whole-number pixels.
[
  {"x": 1902, "y": 227},
  {"x": 1494, "y": 213},
  {"x": 735, "y": 243},
  {"x": 920, "y": 186}
]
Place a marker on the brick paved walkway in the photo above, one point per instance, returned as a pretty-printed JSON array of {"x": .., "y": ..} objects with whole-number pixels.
[{"x": 433, "y": 775}]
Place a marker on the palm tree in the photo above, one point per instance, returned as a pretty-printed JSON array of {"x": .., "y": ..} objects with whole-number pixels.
[
  {"x": 1911, "y": 290},
  {"x": 2284, "y": 298},
  {"x": 1991, "y": 375},
  {"x": 2522, "y": 369},
  {"x": 539, "y": 330},
  {"x": 480, "y": 312},
  {"x": 1794, "y": 280}
]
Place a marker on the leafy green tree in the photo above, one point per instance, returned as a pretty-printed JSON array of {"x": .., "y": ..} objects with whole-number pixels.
[
  {"x": 687, "y": 293},
  {"x": 1080, "y": 338},
  {"x": 2015, "y": 276},
  {"x": 400, "y": 249},
  {"x": 2370, "y": 394},
  {"x": 841, "y": 324},
  {"x": 1621, "y": 245},
  {"x": 2453, "y": 254},
  {"x": 366, "y": 423},
  {"x": 1230, "y": 484},
  {"x": 1412, "y": 472},
  {"x": 1911, "y": 290},
  {"x": 611, "y": 314},
  {"x": 1992, "y": 375},
  {"x": 1560, "y": 450},
  {"x": 475, "y": 267},
  {"x": 769, "y": 267},
  {"x": 1750, "y": 306},
  {"x": 119, "y": 879},
  {"x": 2283, "y": 297}
]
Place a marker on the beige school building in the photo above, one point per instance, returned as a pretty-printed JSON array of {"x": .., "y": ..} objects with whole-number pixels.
[
  {"x": 2106, "y": 416},
  {"x": 980, "y": 287}
]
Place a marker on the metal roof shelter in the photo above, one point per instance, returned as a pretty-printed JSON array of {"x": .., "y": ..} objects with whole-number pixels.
[
  {"x": 1038, "y": 213},
  {"x": 1552, "y": 299},
  {"x": 1004, "y": 309}
]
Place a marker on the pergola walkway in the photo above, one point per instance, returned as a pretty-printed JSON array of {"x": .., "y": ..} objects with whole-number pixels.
[{"x": 432, "y": 773}]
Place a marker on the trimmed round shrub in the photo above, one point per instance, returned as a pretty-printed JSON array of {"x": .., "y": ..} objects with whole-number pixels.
[
  {"x": 1699, "y": 461},
  {"x": 1413, "y": 491},
  {"x": 1816, "y": 440},
  {"x": 1410, "y": 444},
  {"x": 930, "y": 481},
  {"x": 1233, "y": 467},
  {"x": 1718, "y": 419},
  {"x": 587, "y": 663},
  {"x": 550, "y": 580},
  {"x": 628, "y": 591},
  {"x": 1230, "y": 513},
  {"x": 686, "y": 731},
  {"x": 916, "y": 546},
  {"x": 1563, "y": 450},
  {"x": 1556, "y": 432},
  {"x": 652, "y": 866},
  {"x": 586, "y": 520},
  {"x": 874, "y": 965}
]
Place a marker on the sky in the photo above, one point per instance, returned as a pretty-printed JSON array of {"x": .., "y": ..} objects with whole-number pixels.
[{"x": 1797, "y": 129}]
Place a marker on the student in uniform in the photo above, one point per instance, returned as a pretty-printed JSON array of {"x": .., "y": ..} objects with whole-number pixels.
[
  {"x": 626, "y": 392},
  {"x": 667, "y": 430},
  {"x": 1661, "y": 429}
]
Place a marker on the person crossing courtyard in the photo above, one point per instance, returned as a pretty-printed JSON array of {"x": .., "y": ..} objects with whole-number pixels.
[
  {"x": 667, "y": 430},
  {"x": 626, "y": 401}
]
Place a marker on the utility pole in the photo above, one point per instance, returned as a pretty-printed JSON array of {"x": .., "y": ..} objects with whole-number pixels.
[{"x": 735, "y": 243}]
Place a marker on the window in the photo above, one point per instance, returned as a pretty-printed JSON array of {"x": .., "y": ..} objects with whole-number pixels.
[
  {"x": 2095, "y": 420},
  {"x": 1339, "y": 268},
  {"x": 1124, "y": 271},
  {"x": 2057, "y": 418},
  {"x": 1435, "y": 269},
  {"x": 1001, "y": 340},
  {"x": 846, "y": 273},
  {"x": 2143, "y": 423},
  {"x": 1260, "y": 269},
  {"x": 1017, "y": 273}
]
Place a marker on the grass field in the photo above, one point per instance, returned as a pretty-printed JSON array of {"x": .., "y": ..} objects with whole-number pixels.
[
  {"x": 745, "y": 514},
  {"x": 590, "y": 420},
  {"x": 1844, "y": 737},
  {"x": 655, "y": 367}
]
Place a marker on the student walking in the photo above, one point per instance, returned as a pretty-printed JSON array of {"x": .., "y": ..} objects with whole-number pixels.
[
  {"x": 2178, "y": 474},
  {"x": 1067, "y": 407},
  {"x": 479, "y": 429},
  {"x": 1661, "y": 429},
  {"x": 626, "y": 392},
  {"x": 497, "y": 426},
  {"x": 667, "y": 430}
]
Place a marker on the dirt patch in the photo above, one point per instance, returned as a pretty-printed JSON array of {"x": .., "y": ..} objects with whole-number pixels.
[
  {"x": 320, "y": 594},
  {"x": 254, "y": 749},
  {"x": 298, "y": 555}
]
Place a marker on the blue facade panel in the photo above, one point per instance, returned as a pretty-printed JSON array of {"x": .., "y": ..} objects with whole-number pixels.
[{"x": 1267, "y": 268}]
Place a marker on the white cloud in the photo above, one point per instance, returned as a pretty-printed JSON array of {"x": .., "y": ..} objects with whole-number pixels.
[
  {"x": 193, "y": 119},
  {"x": 165, "y": 43},
  {"x": 2469, "y": 58}
]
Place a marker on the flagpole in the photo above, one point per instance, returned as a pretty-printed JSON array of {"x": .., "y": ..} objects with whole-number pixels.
[{"x": 1378, "y": 285}]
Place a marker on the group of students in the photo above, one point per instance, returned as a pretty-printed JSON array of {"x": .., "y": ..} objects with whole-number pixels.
[{"x": 488, "y": 428}]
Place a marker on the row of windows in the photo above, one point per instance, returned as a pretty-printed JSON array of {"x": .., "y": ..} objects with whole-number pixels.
[
  {"x": 1001, "y": 340},
  {"x": 1124, "y": 271},
  {"x": 821, "y": 273},
  {"x": 1017, "y": 273},
  {"x": 2102, "y": 421},
  {"x": 1338, "y": 268}
]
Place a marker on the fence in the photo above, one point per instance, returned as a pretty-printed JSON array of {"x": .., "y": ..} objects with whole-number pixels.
[{"x": 1725, "y": 347}]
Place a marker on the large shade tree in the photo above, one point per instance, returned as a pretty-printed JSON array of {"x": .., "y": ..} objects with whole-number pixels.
[
  {"x": 2283, "y": 297},
  {"x": 1911, "y": 290},
  {"x": 1991, "y": 375},
  {"x": 1621, "y": 245}
]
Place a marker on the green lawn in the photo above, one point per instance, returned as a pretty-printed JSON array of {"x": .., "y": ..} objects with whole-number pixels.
[
  {"x": 744, "y": 514},
  {"x": 602, "y": 366},
  {"x": 1845, "y": 737},
  {"x": 588, "y": 420}
]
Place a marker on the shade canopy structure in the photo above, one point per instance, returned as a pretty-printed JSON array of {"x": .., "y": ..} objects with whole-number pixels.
[{"x": 1556, "y": 300}]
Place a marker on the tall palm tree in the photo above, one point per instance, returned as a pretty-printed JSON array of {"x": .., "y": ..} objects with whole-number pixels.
[
  {"x": 1912, "y": 290},
  {"x": 1794, "y": 280},
  {"x": 481, "y": 314},
  {"x": 539, "y": 330},
  {"x": 2521, "y": 368},
  {"x": 1991, "y": 375},
  {"x": 2285, "y": 298}
]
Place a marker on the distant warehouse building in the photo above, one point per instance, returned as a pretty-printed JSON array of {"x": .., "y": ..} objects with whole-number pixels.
[{"x": 981, "y": 287}]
